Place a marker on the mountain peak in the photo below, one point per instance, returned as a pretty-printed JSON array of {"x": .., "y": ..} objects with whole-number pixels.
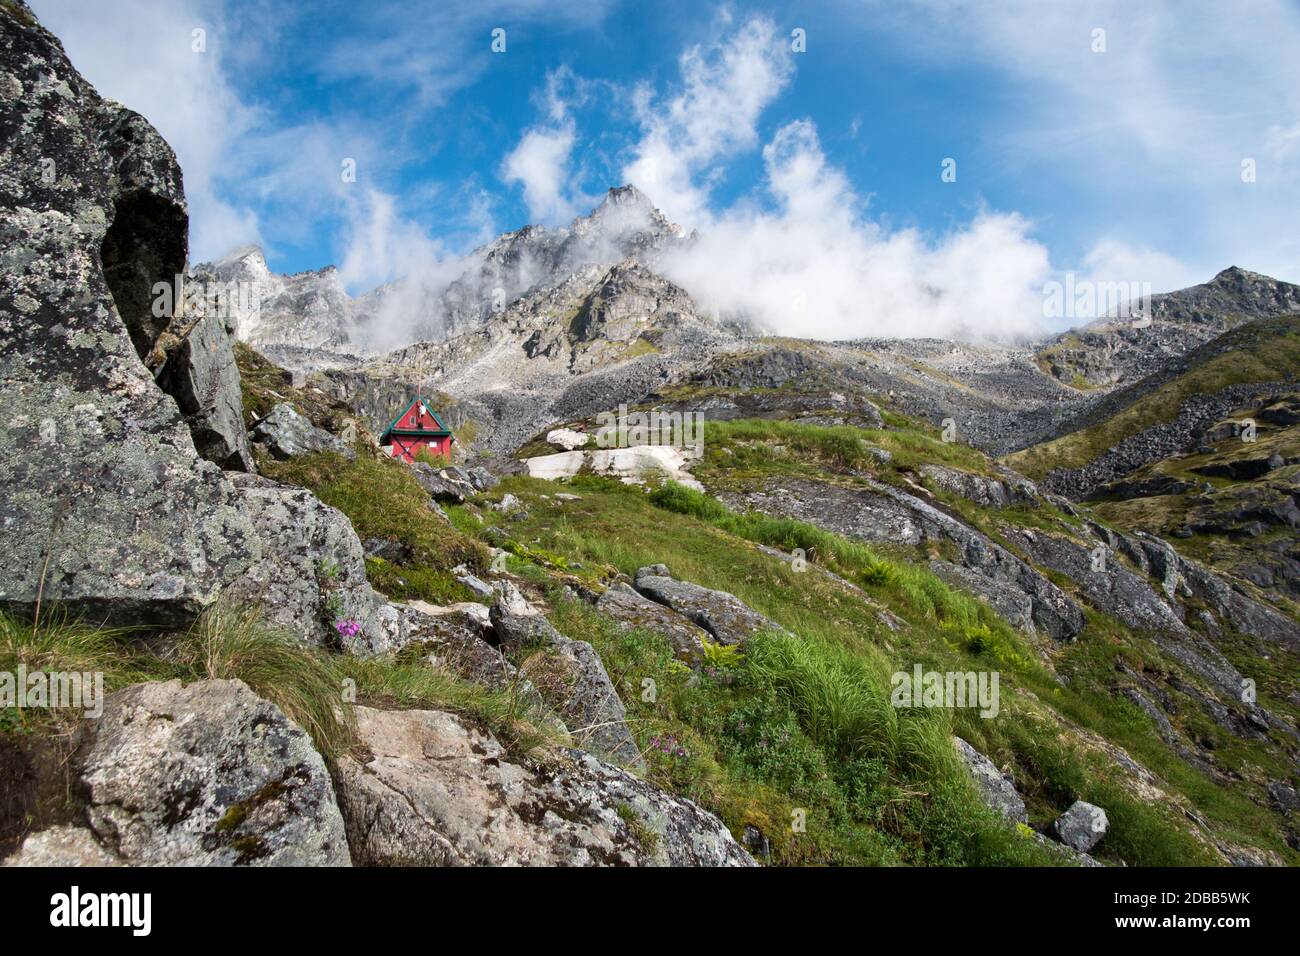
[
  {"x": 624, "y": 211},
  {"x": 248, "y": 253},
  {"x": 627, "y": 195},
  {"x": 1234, "y": 275}
]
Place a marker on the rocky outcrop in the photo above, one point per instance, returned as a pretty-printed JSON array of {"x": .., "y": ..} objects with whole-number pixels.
[
  {"x": 453, "y": 484},
  {"x": 1008, "y": 601},
  {"x": 633, "y": 611},
  {"x": 571, "y": 678},
  {"x": 998, "y": 792},
  {"x": 875, "y": 512},
  {"x": 1167, "y": 439},
  {"x": 434, "y": 790},
  {"x": 200, "y": 373},
  {"x": 207, "y": 775},
  {"x": 983, "y": 491},
  {"x": 726, "y": 618},
  {"x": 106, "y": 505},
  {"x": 286, "y": 434},
  {"x": 997, "y": 789},
  {"x": 1109, "y": 353},
  {"x": 454, "y": 638}
]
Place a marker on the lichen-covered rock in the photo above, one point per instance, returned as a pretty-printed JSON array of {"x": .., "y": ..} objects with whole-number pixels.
[
  {"x": 631, "y": 610},
  {"x": 453, "y": 637},
  {"x": 98, "y": 468},
  {"x": 728, "y": 619},
  {"x": 571, "y": 678},
  {"x": 287, "y": 434},
  {"x": 998, "y": 791},
  {"x": 434, "y": 790},
  {"x": 1082, "y": 826},
  {"x": 312, "y": 574},
  {"x": 62, "y": 845},
  {"x": 1127, "y": 596},
  {"x": 207, "y": 775}
]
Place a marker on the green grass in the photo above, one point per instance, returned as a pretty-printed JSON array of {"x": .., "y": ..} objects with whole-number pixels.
[
  {"x": 805, "y": 731},
  {"x": 314, "y": 688},
  {"x": 733, "y": 448},
  {"x": 908, "y": 588},
  {"x": 383, "y": 500}
]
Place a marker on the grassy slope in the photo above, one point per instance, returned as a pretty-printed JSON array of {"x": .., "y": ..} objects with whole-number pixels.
[
  {"x": 1261, "y": 352},
  {"x": 875, "y": 780},
  {"x": 1053, "y": 763}
]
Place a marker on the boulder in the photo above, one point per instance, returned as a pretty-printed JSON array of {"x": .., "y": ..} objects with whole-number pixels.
[
  {"x": 997, "y": 789},
  {"x": 472, "y": 581},
  {"x": 572, "y": 679},
  {"x": 395, "y": 552},
  {"x": 99, "y": 470},
  {"x": 480, "y": 478},
  {"x": 200, "y": 373},
  {"x": 434, "y": 790},
  {"x": 632, "y": 611},
  {"x": 727, "y": 619},
  {"x": 312, "y": 574},
  {"x": 567, "y": 438},
  {"x": 442, "y": 485},
  {"x": 207, "y": 775},
  {"x": 287, "y": 434},
  {"x": 565, "y": 464},
  {"x": 454, "y": 638},
  {"x": 1082, "y": 826},
  {"x": 881, "y": 513}
]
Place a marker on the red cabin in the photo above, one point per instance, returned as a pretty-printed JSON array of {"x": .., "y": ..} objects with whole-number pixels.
[{"x": 419, "y": 426}]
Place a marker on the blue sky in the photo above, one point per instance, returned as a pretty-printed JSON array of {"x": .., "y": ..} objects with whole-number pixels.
[{"x": 1122, "y": 163}]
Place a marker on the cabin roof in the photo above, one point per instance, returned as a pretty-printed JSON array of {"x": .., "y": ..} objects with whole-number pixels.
[{"x": 442, "y": 431}]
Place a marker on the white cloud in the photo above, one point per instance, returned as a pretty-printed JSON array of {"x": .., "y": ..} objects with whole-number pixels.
[
  {"x": 816, "y": 267},
  {"x": 540, "y": 163},
  {"x": 726, "y": 85}
]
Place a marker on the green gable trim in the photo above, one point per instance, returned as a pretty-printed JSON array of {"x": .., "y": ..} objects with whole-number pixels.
[{"x": 391, "y": 430}]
